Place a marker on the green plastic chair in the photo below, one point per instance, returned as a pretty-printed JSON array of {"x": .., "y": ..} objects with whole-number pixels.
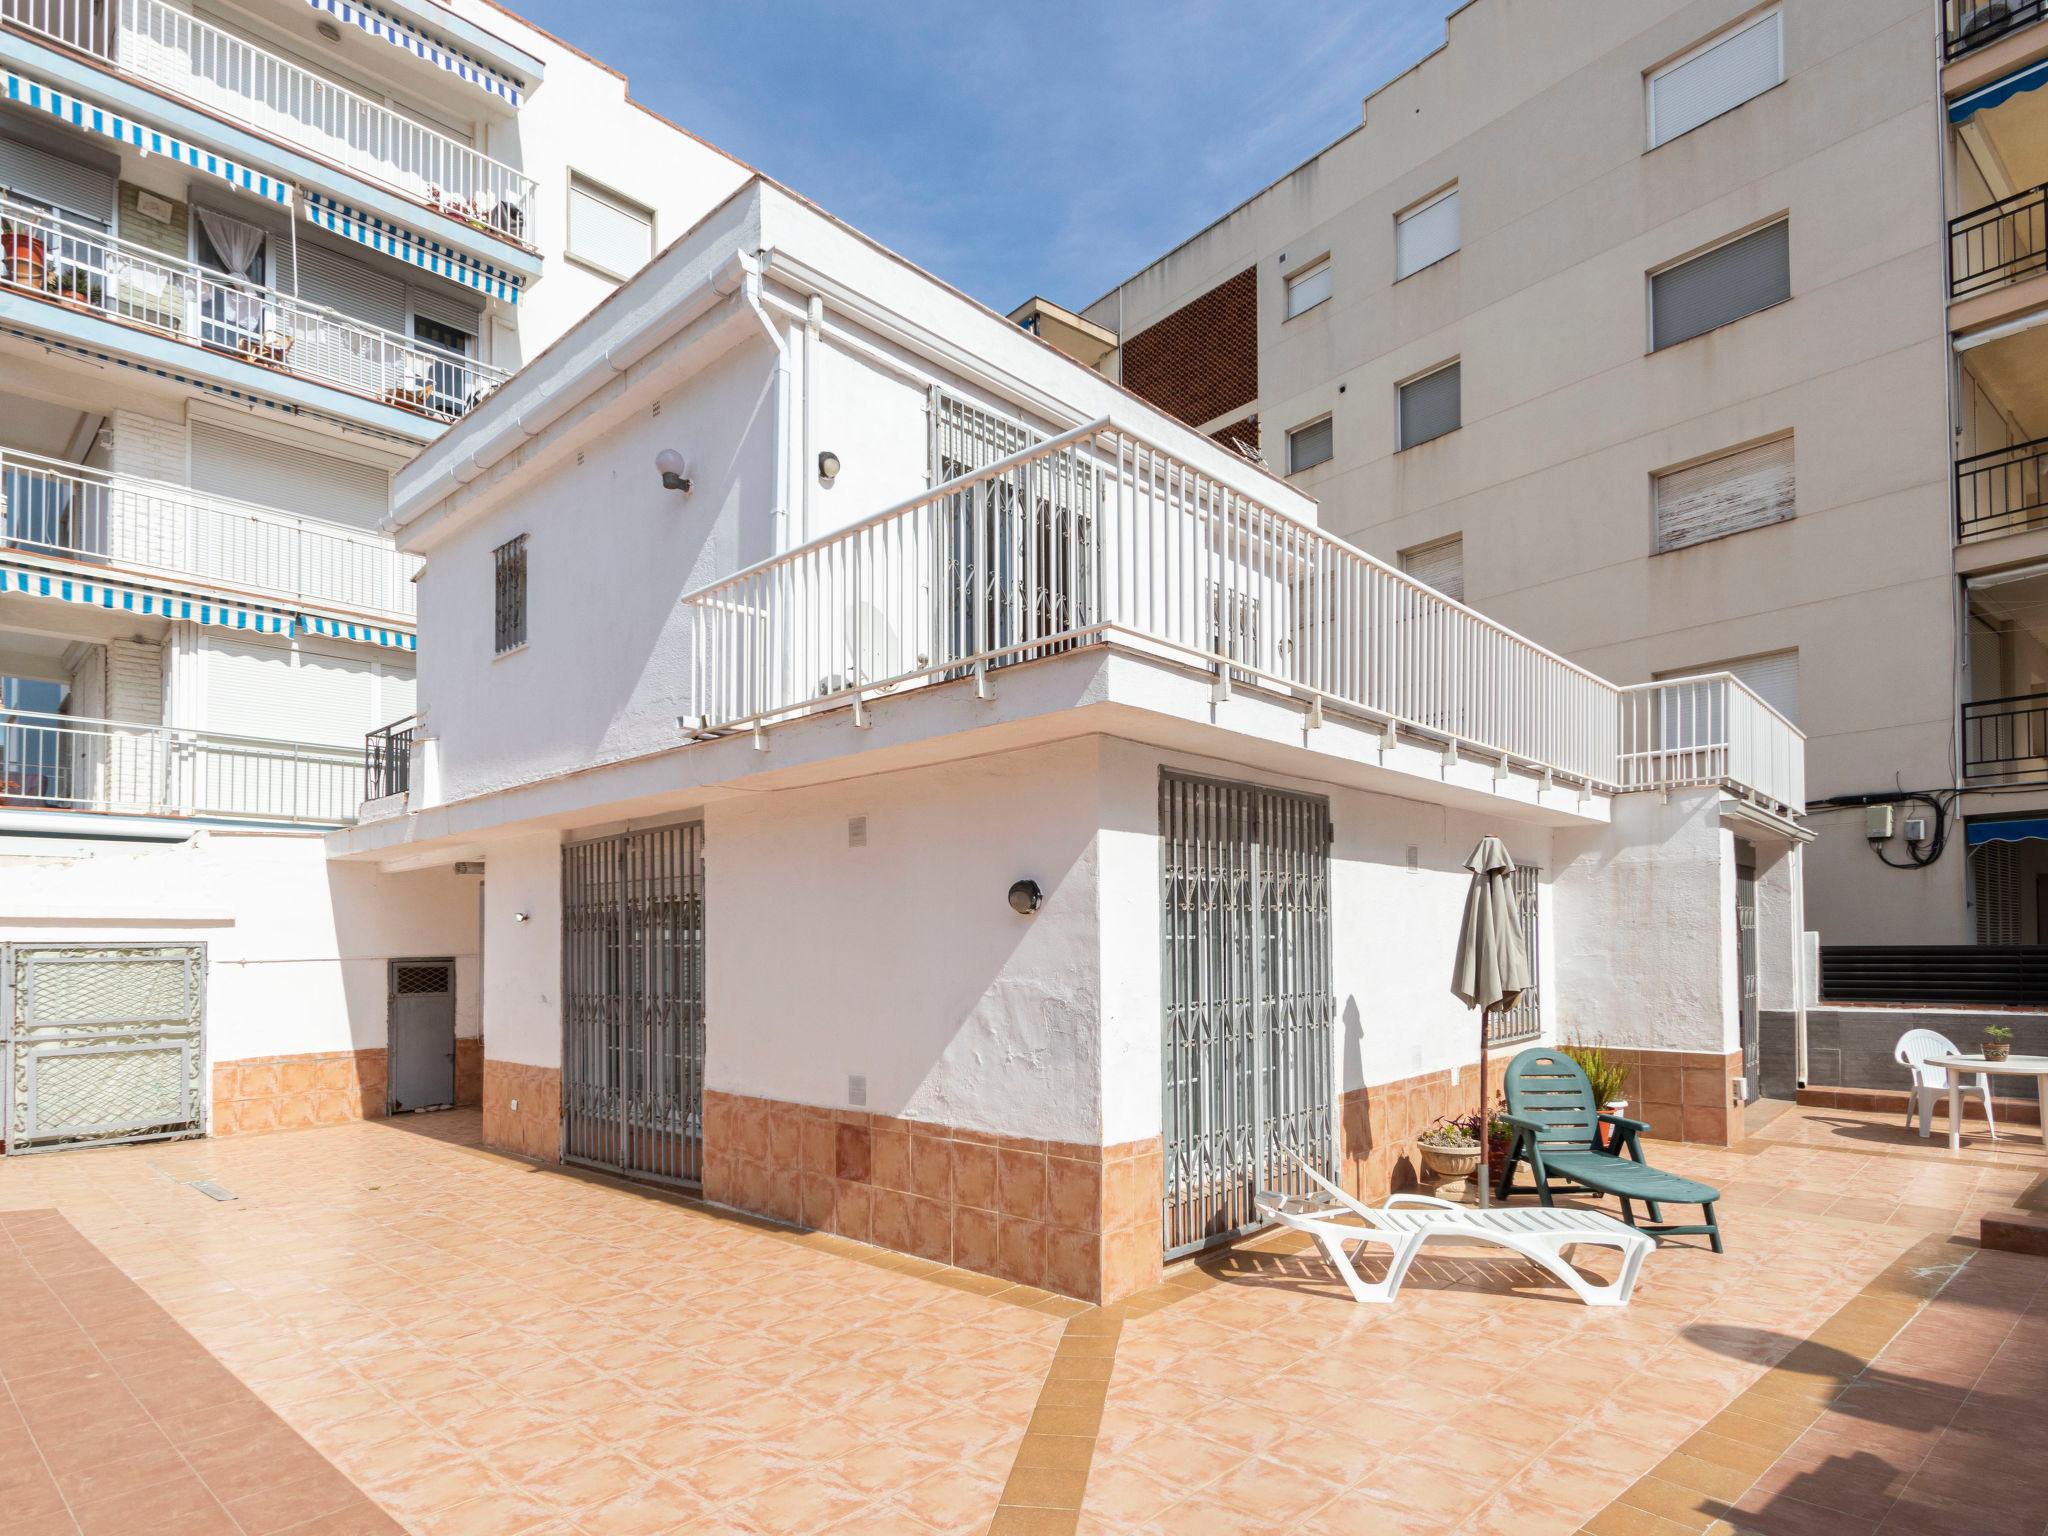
[{"x": 1557, "y": 1133}]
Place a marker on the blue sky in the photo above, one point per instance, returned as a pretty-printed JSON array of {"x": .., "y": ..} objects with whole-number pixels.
[{"x": 1011, "y": 148}]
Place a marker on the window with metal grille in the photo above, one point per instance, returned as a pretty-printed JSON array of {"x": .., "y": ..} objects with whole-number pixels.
[
  {"x": 1718, "y": 287},
  {"x": 509, "y": 560},
  {"x": 1718, "y": 76},
  {"x": 1524, "y": 1021},
  {"x": 1441, "y": 564},
  {"x": 1431, "y": 406},
  {"x": 1425, "y": 234},
  {"x": 1749, "y": 488},
  {"x": 412, "y": 980},
  {"x": 1305, "y": 290},
  {"x": 1311, "y": 445}
]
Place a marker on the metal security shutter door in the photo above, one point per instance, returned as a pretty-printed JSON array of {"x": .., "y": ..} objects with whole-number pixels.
[
  {"x": 41, "y": 177},
  {"x": 1751, "y": 488},
  {"x": 421, "y": 1014},
  {"x": 1431, "y": 406},
  {"x": 102, "y": 1044},
  {"x": 1524, "y": 1021},
  {"x": 1722, "y": 286},
  {"x": 1247, "y": 1044},
  {"x": 1440, "y": 565},
  {"x": 633, "y": 1003},
  {"x": 1774, "y": 679},
  {"x": 1718, "y": 78},
  {"x": 288, "y": 477},
  {"x": 1426, "y": 235},
  {"x": 607, "y": 232}
]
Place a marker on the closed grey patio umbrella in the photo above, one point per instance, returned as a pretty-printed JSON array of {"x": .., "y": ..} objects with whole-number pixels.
[{"x": 1492, "y": 967}]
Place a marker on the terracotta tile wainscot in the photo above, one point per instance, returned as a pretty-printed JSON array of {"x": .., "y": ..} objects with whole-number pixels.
[
  {"x": 1079, "y": 1220},
  {"x": 523, "y": 1109},
  {"x": 283, "y": 1093}
]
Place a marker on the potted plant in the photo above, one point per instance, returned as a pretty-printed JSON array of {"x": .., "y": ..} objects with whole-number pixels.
[
  {"x": 22, "y": 254},
  {"x": 1449, "y": 1149},
  {"x": 1608, "y": 1079},
  {"x": 75, "y": 287},
  {"x": 1997, "y": 1042}
]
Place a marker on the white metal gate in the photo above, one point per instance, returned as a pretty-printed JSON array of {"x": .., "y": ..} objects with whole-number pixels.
[
  {"x": 102, "y": 1043},
  {"x": 1248, "y": 1048},
  {"x": 633, "y": 1003}
]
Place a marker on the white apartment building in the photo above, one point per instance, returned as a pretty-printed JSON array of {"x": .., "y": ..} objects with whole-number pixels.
[
  {"x": 926, "y": 792},
  {"x": 1683, "y": 334},
  {"x": 253, "y": 258}
]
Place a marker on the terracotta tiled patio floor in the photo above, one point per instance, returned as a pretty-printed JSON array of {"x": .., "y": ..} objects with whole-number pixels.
[{"x": 470, "y": 1344}]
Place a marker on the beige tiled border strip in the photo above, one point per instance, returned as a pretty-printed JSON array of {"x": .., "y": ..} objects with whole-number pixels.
[{"x": 1690, "y": 1491}]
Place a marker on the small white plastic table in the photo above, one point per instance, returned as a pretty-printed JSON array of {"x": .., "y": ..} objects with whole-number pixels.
[{"x": 2035, "y": 1067}]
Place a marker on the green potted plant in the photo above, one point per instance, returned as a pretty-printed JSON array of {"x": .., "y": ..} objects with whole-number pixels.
[
  {"x": 1997, "y": 1042},
  {"x": 1449, "y": 1149},
  {"x": 75, "y": 286},
  {"x": 22, "y": 253},
  {"x": 1608, "y": 1079}
]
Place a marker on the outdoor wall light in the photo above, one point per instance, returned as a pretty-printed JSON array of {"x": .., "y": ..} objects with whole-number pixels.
[
  {"x": 519, "y": 917},
  {"x": 1025, "y": 897},
  {"x": 670, "y": 464},
  {"x": 828, "y": 466}
]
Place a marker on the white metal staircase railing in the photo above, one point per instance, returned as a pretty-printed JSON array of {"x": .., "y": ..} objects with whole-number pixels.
[
  {"x": 64, "y": 261},
  {"x": 1099, "y": 534},
  {"x": 248, "y": 84},
  {"x": 64, "y": 762},
  {"x": 119, "y": 522}
]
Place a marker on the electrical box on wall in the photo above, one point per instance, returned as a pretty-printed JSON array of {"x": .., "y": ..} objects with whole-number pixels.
[
  {"x": 1877, "y": 822},
  {"x": 1916, "y": 829}
]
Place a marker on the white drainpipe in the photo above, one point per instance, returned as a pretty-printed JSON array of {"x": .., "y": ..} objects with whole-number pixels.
[
  {"x": 752, "y": 289},
  {"x": 807, "y": 461}
]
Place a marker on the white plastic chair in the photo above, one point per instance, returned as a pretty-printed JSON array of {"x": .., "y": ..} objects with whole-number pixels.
[{"x": 1930, "y": 1083}]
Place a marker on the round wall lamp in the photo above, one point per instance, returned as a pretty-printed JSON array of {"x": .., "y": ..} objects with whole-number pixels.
[
  {"x": 1025, "y": 897},
  {"x": 521, "y": 917},
  {"x": 828, "y": 465},
  {"x": 669, "y": 464}
]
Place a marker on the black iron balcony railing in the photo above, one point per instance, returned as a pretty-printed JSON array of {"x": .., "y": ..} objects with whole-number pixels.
[
  {"x": 1970, "y": 24},
  {"x": 2002, "y": 491},
  {"x": 2006, "y": 739},
  {"x": 1999, "y": 243},
  {"x": 387, "y": 759}
]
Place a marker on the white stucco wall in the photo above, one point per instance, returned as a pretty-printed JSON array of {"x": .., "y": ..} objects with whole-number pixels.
[
  {"x": 522, "y": 959},
  {"x": 297, "y": 946}
]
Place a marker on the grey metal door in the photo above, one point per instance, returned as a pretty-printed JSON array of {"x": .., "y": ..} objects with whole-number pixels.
[
  {"x": 421, "y": 1011},
  {"x": 1248, "y": 1053},
  {"x": 633, "y": 1003},
  {"x": 102, "y": 1043},
  {"x": 1745, "y": 951}
]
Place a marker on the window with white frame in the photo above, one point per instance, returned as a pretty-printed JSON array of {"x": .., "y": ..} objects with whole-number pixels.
[
  {"x": 1718, "y": 76},
  {"x": 1308, "y": 288},
  {"x": 1749, "y": 488},
  {"x": 1310, "y": 445},
  {"x": 1432, "y": 405},
  {"x": 1426, "y": 233},
  {"x": 606, "y": 231},
  {"x": 1718, "y": 287},
  {"x": 1439, "y": 564}
]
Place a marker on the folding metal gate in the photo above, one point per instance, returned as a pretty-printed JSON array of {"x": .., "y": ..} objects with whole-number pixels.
[
  {"x": 1248, "y": 1046},
  {"x": 633, "y": 1003},
  {"x": 102, "y": 1043}
]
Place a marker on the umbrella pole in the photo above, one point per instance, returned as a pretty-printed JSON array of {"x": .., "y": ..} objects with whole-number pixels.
[{"x": 1485, "y": 1124}]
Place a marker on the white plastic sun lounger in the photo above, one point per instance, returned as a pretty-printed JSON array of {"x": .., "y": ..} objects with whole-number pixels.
[{"x": 1401, "y": 1226}]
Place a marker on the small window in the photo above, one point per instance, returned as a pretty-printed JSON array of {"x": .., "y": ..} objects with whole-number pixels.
[
  {"x": 1305, "y": 290},
  {"x": 1425, "y": 234},
  {"x": 1311, "y": 445},
  {"x": 1718, "y": 76},
  {"x": 1439, "y": 564},
  {"x": 1430, "y": 406},
  {"x": 1749, "y": 488},
  {"x": 509, "y": 559},
  {"x": 1721, "y": 286},
  {"x": 606, "y": 231}
]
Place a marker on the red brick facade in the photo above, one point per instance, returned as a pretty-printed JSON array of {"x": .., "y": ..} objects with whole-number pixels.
[
  {"x": 1241, "y": 435},
  {"x": 1203, "y": 359}
]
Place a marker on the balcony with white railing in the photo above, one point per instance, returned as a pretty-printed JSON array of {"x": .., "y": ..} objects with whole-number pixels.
[
  {"x": 234, "y": 78},
  {"x": 68, "y": 763},
  {"x": 1098, "y": 536},
  {"x": 62, "y": 261},
  {"x": 118, "y": 522}
]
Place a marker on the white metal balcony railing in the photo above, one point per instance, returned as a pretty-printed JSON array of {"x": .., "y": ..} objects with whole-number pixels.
[
  {"x": 60, "y": 762},
  {"x": 1097, "y": 534},
  {"x": 65, "y": 261},
  {"x": 52, "y": 508},
  {"x": 234, "y": 77}
]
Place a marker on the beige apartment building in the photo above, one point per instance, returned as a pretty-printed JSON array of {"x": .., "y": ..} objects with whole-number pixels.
[{"x": 1686, "y": 335}]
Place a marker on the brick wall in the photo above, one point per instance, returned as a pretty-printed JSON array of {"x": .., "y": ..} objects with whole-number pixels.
[
  {"x": 1202, "y": 360},
  {"x": 1242, "y": 436},
  {"x": 149, "y": 446}
]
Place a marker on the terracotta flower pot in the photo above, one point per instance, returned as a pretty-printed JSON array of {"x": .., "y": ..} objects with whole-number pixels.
[
  {"x": 1450, "y": 1162},
  {"x": 1612, "y": 1107},
  {"x": 1997, "y": 1050}
]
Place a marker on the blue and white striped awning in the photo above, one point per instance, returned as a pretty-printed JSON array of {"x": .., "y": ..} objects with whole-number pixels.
[
  {"x": 67, "y": 108},
  {"x": 143, "y": 602},
  {"x": 2018, "y": 829},
  {"x": 1998, "y": 92},
  {"x": 404, "y": 35},
  {"x": 366, "y": 634},
  {"x": 428, "y": 255}
]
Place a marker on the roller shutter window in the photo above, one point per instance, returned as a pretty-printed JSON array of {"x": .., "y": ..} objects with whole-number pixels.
[
  {"x": 37, "y": 176},
  {"x": 288, "y": 477},
  {"x": 448, "y": 311},
  {"x": 606, "y": 231},
  {"x": 1995, "y": 885},
  {"x": 1311, "y": 445},
  {"x": 1440, "y": 564},
  {"x": 1425, "y": 234},
  {"x": 1305, "y": 290},
  {"x": 1749, "y": 488},
  {"x": 286, "y": 693},
  {"x": 1431, "y": 406},
  {"x": 358, "y": 291},
  {"x": 1773, "y": 678},
  {"x": 1735, "y": 67},
  {"x": 1720, "y": 286}
]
